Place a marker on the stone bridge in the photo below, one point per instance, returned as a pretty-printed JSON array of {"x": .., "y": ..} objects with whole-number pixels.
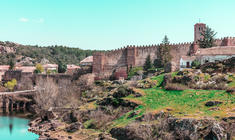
[{"x": 15, "y": 101}]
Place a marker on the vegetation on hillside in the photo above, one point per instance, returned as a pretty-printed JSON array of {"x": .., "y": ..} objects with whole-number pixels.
[
  {"x": 186, "y": 103},
  {"x": 52, "y": 53}
]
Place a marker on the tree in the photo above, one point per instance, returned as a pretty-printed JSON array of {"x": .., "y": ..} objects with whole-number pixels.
[
  {"x": 157, "y": 63},
  {"x": 11, "y": 84},
  {"x": 62, "y": 68},
  {"x": 196, "y": 64},
  {"x": 208, "y": 38},
  {"x": 11, "y": 64},
  {"x": 39, "y": 69},
  {"x": 164, "y": 53},
  {"x": 148, "y": 64}
]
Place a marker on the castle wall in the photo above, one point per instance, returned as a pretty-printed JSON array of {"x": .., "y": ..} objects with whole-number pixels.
[
  {"x": 143, "y": 52},
  {"x": 106, "y": 64},
  {"x": 116, "y": 62},
  {"x": 227, "y": 41},
  {"x": 177, "y": 51}
]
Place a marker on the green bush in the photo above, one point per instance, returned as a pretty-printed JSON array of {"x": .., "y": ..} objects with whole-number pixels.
[
  {"x": 134, "y": 71},
  {"x": 196, "y": 64}
]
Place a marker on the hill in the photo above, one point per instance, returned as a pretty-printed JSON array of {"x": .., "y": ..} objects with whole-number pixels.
[{"x": 30, "y": 55}]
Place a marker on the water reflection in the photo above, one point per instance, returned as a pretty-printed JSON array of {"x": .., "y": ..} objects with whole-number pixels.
[
  {"x": 14, "y": 128},
  {"x": 10, "y": 128}
]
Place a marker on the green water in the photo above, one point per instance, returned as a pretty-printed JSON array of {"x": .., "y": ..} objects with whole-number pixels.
[{"x": 13, "y": 128}]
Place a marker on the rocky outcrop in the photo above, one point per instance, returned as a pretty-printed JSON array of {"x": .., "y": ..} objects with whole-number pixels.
[
  {"x": 175, "y": 128},
  {"x": 223, "y": 66}
]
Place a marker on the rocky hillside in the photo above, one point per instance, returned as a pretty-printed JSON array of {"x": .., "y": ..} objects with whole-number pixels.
[
  {"x": 220, "y": 66},
  {"x": 29, "y": 55},
  {"x": 144, "y": 110}
]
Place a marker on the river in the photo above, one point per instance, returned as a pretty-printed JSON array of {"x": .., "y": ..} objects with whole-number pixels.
[{"x": 15, "y": 128}]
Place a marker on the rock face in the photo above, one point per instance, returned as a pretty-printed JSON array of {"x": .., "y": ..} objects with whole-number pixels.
[
  {"x": 213, "y": 103},
  {"x": 174, "y": 128},
  {"x": 74, "y": 127}
]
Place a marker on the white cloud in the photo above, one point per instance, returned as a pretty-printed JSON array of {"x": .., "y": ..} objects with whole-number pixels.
[
  {"x": 23, "y": 19},
  {"x": 38, "y": 20}
]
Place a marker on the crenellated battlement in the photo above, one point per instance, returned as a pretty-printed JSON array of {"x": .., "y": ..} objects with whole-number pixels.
[
  {"x": 117, "y": 61},
  {"x": 143, "y": 47}
]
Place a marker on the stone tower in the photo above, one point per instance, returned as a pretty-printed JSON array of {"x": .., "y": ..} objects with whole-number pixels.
[{"x": 198, "y": 29}]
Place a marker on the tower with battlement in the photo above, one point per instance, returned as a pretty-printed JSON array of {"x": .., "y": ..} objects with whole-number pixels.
[
  {"x": 117, "y": 62},
  {"x": 199, "y": 28}
]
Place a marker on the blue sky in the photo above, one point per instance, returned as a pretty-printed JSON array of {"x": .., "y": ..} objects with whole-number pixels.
[{"x": 110, "y": 24}]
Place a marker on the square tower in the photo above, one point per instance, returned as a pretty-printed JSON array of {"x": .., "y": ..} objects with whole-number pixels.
[{"x": 198, "y": 29}]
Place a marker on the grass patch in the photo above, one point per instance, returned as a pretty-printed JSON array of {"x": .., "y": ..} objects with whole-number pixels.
[
  {"x": 186, "y": 103},
  {"x": 125, "y": 119},
  {"x": 232, "y": 84},
  {"x": 159, "y": 79}
]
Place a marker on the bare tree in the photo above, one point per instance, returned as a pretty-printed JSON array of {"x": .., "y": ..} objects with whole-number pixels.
[{"x": 47, "y": 92}]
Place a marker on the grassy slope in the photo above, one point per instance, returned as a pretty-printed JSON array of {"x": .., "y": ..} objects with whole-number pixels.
[{"x": 187, "y": 103}]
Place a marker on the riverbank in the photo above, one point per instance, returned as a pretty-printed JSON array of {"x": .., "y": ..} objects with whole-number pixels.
[{"x": 143, "y": 110}]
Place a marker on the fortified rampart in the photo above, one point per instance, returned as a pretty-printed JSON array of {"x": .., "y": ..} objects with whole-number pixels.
[
  {"x": 117, "y": 62},
  {"x": 227, "y": 41}
]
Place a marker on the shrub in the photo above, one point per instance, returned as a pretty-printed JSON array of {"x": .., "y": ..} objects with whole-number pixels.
[
  {"x": 39, "y": 69},
  {"x": 174, "y": 86},
  {"x": 147, "y": 83},
  {"x": 196, "y": 64},
  {"x": 134, "y": 71},
  {"x": 10, "y": 85}
]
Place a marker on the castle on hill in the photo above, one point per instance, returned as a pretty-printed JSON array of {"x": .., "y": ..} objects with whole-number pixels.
[{"x": 116, "y": 63}]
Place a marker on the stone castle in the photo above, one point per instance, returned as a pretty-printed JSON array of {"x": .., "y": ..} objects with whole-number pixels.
[{"x": 116, "y": 63}]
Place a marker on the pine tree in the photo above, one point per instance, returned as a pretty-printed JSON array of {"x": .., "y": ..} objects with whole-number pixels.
[
  {"x": 208, "y": 38},
  {"x": 11, "y": 64},
  {"x": 148, "y": 64},
  {"x": 62, "y": 68},
  {"x": 164, "y": 52}
]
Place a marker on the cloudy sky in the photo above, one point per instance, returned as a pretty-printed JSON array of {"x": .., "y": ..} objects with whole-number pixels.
[{"x": 110, "y": 24}]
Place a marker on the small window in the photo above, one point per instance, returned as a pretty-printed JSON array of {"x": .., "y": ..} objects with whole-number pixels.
[{"x": 199, "y": 28}]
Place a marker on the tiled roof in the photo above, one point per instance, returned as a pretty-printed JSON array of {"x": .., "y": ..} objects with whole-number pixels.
[
  {"x": 89, "y": 59},
  {"x": 4, "y": 67},
  {"x": 26, "y": 68},
  {"x": 50, "y": 65},
  {"x": 191, "y": 58},
  {"x": 73, "y": 67}
]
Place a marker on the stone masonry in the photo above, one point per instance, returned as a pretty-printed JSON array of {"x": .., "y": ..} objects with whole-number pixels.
[{"x": 117, "y": 62}]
